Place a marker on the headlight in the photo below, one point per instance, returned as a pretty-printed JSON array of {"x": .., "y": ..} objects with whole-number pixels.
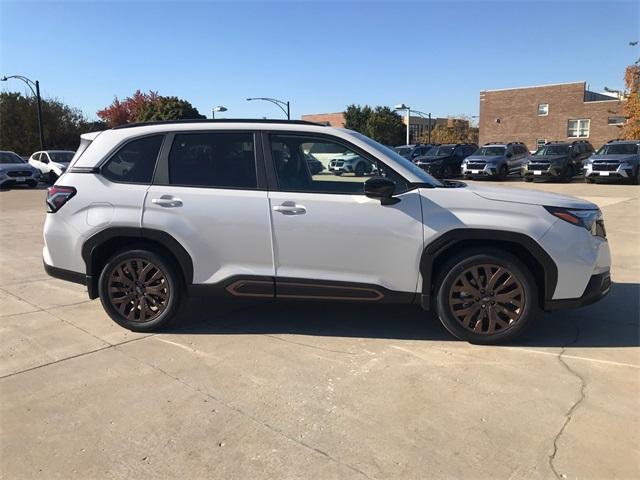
[{"x": 591, "y": 220}]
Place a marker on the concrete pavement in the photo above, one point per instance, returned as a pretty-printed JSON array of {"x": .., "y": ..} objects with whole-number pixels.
[{"x": 306, "y": 390}]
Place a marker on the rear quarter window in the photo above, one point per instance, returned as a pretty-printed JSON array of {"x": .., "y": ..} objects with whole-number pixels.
[{"x": 134, "y": 162}]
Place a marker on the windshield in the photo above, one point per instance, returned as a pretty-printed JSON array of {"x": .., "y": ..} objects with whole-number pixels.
[
  {"x": 618, "y": 149},
  {"x": 391, "y": 153},
  {"x": 10, "y": 157},
  {"x": 489, "y": 151},
  {"x": 441, "y": 151},
  {"x": 553, "y": 150},
  {"x": 61, "y": 157}
]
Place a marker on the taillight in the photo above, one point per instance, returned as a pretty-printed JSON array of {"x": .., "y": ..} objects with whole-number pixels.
[{"x": 57, "y": 196}]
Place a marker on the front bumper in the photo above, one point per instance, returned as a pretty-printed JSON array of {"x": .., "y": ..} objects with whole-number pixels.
[
  {"x": 486, "y": 171},
  {"x": 621, "y": 172},
  {"x": 7, "y": 181},
  {"x": 552, "y": 171},
  {"x": 598, "y": 287}
]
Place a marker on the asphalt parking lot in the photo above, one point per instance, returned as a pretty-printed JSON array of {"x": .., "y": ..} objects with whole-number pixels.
[{"x": 305, "y": 390}]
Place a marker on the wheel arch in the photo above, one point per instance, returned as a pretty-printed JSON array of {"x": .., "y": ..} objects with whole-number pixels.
[
  {"x": 435, "y": 255},
  {"x": 98, "y": 248}
]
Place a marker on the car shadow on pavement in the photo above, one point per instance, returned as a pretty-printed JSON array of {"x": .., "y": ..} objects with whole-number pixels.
[{"x": 612, "y": 322}]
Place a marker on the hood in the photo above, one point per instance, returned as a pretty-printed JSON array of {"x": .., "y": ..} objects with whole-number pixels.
[
  {"x": 16, "y": 167},
  {"x": 430, "y": 158},
  {"x": 530, "y": 197},
  {"x": 614, "y": 158},
  {"x": 485, "y": 158}
]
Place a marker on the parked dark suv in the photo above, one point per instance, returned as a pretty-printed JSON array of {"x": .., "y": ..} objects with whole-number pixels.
[
  {"x": 617, "y": 160},
  {"x": 557, "y": 161},
  {"x": 411, "y": 152},
  {"x": 496, "y": 159},
  {"x": 443, "y": 161}
]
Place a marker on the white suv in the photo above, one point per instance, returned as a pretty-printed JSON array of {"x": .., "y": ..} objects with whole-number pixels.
[{"x": 148, "y": 214}]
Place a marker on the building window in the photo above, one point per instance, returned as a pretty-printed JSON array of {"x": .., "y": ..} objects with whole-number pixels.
[
  {"x": 616, "y": 120},
  {"x": 578, "y": 128},
  {"x": 540, "y": 142},
  {"x": 543, "y": 109}
]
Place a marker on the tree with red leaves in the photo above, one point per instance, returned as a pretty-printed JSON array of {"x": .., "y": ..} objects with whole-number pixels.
[{"x": 146, "y": 107}]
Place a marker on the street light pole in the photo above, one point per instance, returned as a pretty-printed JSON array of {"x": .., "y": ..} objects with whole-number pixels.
[
  {"x": 30, "y": 83},
  {"x": 219, "y": 108},
  {"x": 402, "y": 106},
  {"x": 280, "y": 103}
]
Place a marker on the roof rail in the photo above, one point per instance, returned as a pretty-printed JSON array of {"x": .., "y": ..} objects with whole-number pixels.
[{"x": 218, "y": 120}]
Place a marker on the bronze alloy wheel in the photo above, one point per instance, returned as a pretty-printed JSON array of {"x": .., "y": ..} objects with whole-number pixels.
[
  {"x": 487, "y": 299},
  {"x": 138, "y": 290}
]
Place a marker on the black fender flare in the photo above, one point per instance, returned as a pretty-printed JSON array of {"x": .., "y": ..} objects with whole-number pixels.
[
  {"x": 448, "y": 239},
  {"x": 92, "y": 244}
]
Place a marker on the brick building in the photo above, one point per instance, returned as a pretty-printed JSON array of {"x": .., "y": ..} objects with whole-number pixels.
[{"x": 533, "y": 115}]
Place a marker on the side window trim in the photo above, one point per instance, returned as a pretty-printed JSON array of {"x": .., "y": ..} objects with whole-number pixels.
[
  {"x": 271, "y": 172},
  {"x": 161, "y": 175}
]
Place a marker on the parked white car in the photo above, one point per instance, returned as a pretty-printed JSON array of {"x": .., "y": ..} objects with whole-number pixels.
[
  {"x": 51, "y": 163},
  {"x": 149, "y": 213}
]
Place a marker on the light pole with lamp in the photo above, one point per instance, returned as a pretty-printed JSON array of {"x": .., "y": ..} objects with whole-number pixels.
[
  {"x": 31, "y": 84},
  {"x": 402, "y": 106},
  {"x": 219, "y": 108},
  {"x": 280, "y": 103}
]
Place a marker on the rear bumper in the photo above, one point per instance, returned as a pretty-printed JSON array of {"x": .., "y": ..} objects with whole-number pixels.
[
  {"x": 599, "y": 286},
  {"x": 73, "y": 277}
]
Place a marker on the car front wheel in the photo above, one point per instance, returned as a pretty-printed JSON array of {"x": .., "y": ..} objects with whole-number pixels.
[
  {"x": 486, "y": 296},
  {"x": 140, "y": 290}
]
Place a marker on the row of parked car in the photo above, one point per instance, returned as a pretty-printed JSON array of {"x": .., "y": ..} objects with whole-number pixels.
[
  {"x": 561, "y": 160},
  {"x": 45, "y": 166}
]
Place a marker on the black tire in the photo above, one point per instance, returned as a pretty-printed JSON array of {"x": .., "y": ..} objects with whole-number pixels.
[
  {"x": 131, "y": 263},
  {"x": 590, "y": 180},
  {"x": 337, "y": 174},
  {"x": 635, "y": 180},
  {"x": 51, "y": 178},
  {"x": 360, "y": 170},
  {"x": 446, "y": 172},
  {"x": 504, "y": 173},
  {"x": 495, "y": 312},
  {"x": 528, "y": 179}
]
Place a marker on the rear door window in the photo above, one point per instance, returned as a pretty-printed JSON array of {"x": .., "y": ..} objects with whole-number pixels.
[
  {"x": 217, "y": 160},
  {"x": 134, "y": 162}
]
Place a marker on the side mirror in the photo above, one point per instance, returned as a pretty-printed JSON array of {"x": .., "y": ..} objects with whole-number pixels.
[
  {"x": 509, "y": 155},
  {"x": 381, "y": 189}
]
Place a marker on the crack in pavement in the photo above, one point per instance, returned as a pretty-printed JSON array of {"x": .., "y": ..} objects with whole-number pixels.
[
  {"x": 241, "y": 412},
  {"x": 571, "y": 411}
]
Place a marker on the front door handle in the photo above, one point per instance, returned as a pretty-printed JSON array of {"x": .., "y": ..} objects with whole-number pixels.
[
  {"x": 290, "y": 208},
  {"x": 167, "y": 201}
]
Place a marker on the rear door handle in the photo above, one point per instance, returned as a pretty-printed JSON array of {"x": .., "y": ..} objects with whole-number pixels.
[
  {"x": 167, "y": 201},
  {"x": 290, "y": 208}
]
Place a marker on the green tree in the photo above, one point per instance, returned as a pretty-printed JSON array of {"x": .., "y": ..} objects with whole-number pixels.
[
  {"x": 385, "y": 126},
  {"x": 356, "y": 118},
  {"x": 168, "y": 108},
  {"x": 62, "y": 124},
  {"x": 380, "y": 123}
]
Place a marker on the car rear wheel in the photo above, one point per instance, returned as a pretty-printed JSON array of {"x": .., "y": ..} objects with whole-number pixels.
[
  {"x": 567, "y": 174},
  {"x": 504, "y": 172},
  {"x": 51, "y": 178},
  {"x": 446, "y": 172},
  {"x": 486, "y": 296},
  {"x": 140, "y": 290},
  {"x": 359, "y": 169}
]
